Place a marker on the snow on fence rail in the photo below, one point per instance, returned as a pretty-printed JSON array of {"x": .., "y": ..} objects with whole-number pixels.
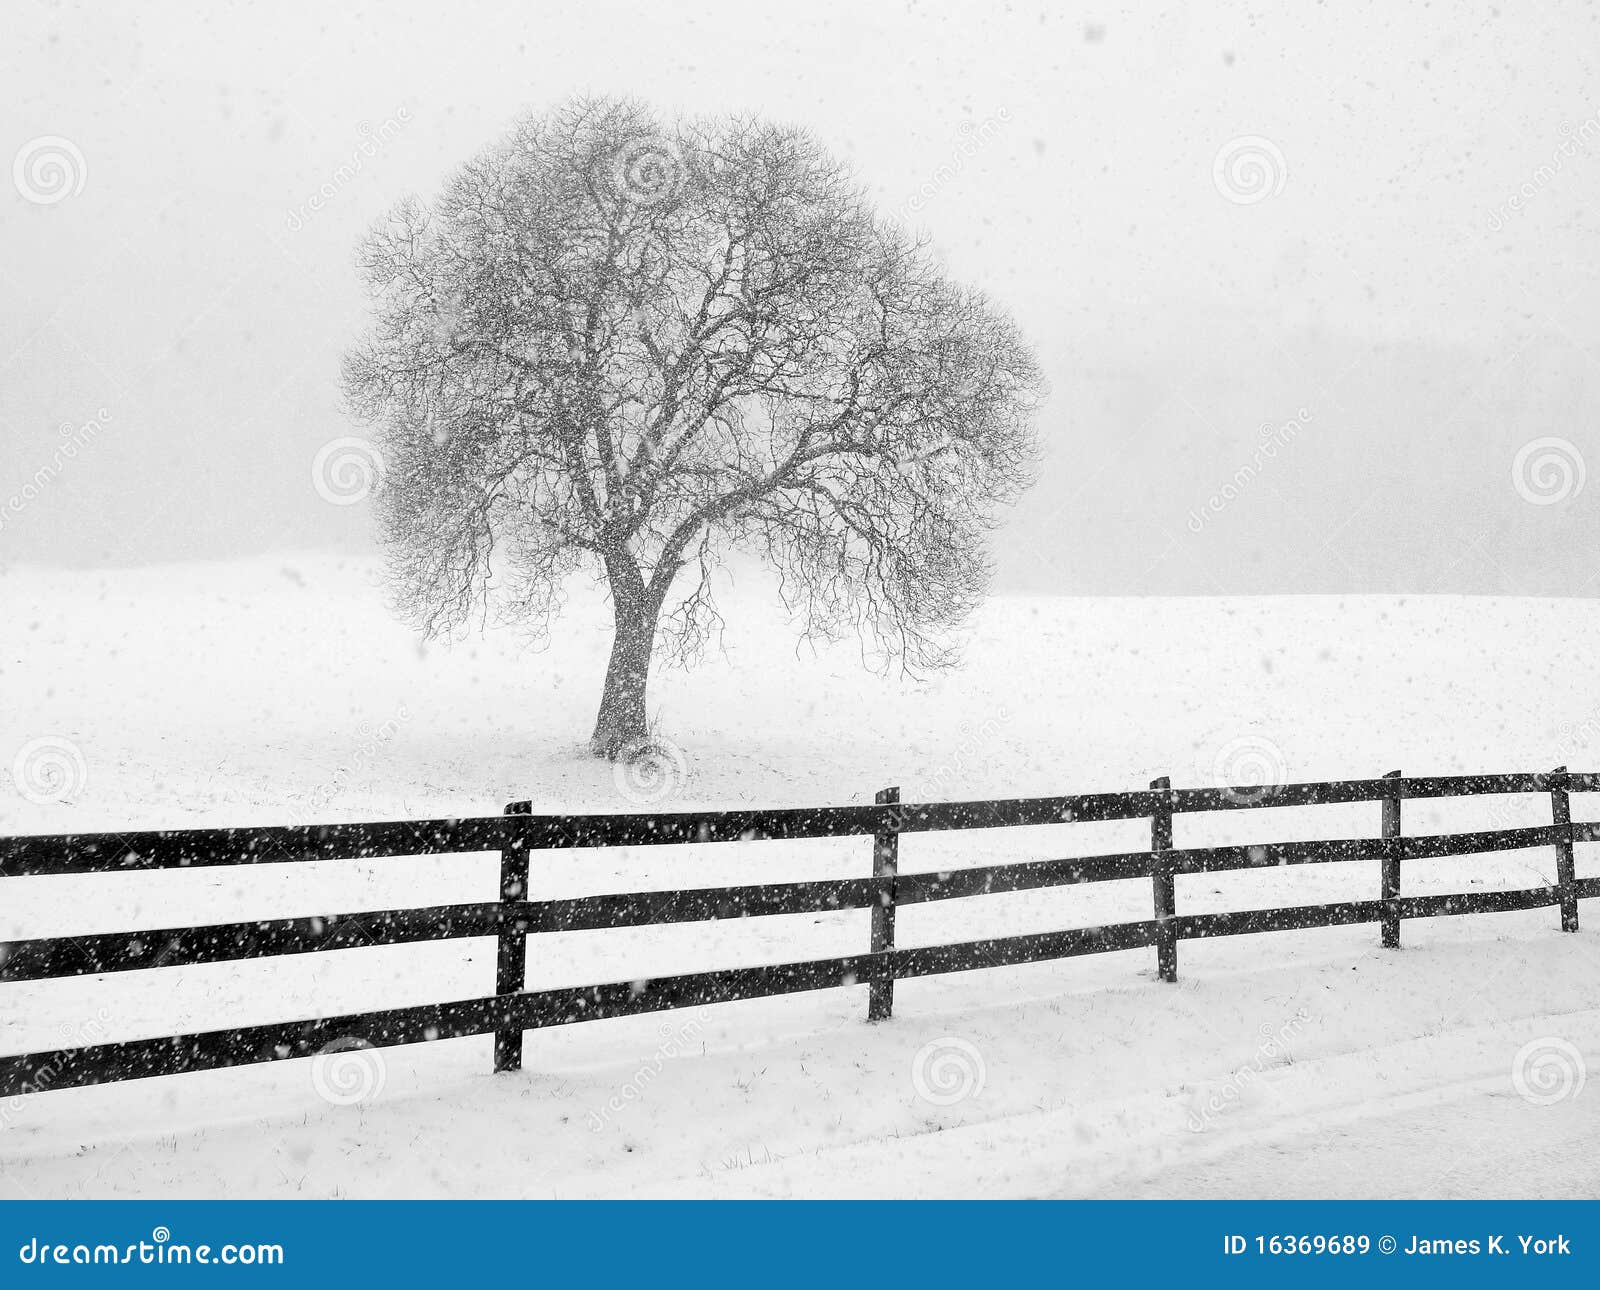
[{"x": 518, "y": 833}]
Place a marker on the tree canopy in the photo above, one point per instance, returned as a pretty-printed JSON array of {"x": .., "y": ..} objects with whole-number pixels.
[{"x": 632, "y": 344}]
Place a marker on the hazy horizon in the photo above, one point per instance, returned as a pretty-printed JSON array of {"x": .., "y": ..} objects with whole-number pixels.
[{"x": 1313, "y": 321}]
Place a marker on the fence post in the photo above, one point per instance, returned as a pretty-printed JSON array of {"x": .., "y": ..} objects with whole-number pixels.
[
  {"x": 1566, "y": 869},
  {"x": 511, "y": 962},
  {"x": 885, "y": 864},
  {"x": 1163, "y": 882},
  {"x": 1391, "y": 867}
]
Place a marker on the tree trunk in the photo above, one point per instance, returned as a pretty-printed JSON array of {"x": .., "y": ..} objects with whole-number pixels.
[{"x": 621, "y": 725}]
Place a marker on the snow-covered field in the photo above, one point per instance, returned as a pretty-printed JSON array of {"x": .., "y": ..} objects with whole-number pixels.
[{"x": 282, "y": 690}]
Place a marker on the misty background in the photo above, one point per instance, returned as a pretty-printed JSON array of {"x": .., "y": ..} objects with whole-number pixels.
[{"x": 1314, "y": 287}]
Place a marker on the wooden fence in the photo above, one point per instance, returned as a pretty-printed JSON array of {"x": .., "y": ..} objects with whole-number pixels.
[{"x": 518, "y": 833}]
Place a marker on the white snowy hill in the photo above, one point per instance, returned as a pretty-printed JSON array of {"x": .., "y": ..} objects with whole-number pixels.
[{"x": 282, "y": 690}]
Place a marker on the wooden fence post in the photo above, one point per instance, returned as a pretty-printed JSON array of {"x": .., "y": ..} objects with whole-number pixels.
[
  {"x": 885, "y": 864},
  {"x": 1566, "y": 869},
  {"x": 1391, "y": 867},
  {"x": 511, "y": 962},
  {"x": 1163, "y": 882}
]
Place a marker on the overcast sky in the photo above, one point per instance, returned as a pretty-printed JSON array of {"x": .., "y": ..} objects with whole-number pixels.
[{"x": 1314, "y": 285}]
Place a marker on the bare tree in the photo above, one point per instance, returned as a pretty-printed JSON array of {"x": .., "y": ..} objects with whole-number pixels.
[{"x": 629, "y": 344}]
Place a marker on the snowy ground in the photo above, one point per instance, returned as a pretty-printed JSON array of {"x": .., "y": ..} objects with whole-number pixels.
[{"x": 282, "y": 690}]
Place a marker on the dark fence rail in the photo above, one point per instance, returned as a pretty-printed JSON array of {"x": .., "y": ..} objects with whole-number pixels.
[{"x": 512, "y": 1010}]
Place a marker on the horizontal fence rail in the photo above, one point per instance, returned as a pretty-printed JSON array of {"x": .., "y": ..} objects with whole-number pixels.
[{"x": 518, "y": 834}]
